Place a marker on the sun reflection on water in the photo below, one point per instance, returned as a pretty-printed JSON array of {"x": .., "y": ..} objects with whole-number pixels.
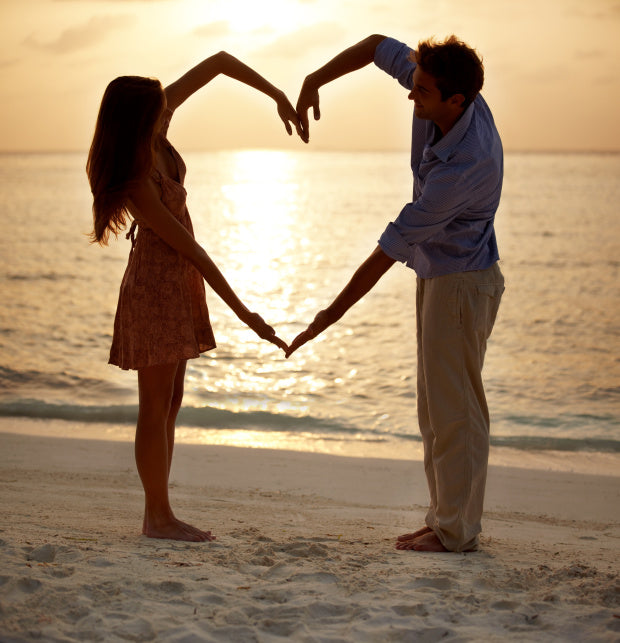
[
  {"x": 258, "y": 215},
  {"x": 262, "y": 205}
]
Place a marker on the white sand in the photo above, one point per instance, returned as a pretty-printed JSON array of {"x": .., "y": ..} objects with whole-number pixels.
[{"x": 304, "y": 551}]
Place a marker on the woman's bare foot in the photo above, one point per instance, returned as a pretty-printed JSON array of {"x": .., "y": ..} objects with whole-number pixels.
[
  {"x": 406, "y": 538},
  {"x": 175, "y": 529}
]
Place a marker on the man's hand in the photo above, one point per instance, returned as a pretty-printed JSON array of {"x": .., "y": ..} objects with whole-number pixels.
[
  {"x": 320, "y": 323},
  {"x": 308, "y": 97},
  {"x": 288, "y": 115},
  {"x": 351, "y": 59}
]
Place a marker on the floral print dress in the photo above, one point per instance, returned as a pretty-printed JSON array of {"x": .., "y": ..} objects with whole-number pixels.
[{"x": 162, "y": 314}]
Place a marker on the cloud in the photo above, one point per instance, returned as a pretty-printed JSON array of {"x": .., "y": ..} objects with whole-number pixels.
[
  {"x": 119, "y": 1},
  {"x": 83, "y": 36},
  {"x": 6, "y": 63},
  {"x": 609, "y": 10},
  {"x": 212, "y": 29},
  {"x": 591, "y": 54},
  {"x": 298, "y": 43}
]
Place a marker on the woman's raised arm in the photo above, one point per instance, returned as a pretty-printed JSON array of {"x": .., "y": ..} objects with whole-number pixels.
[{"x": 225, "y": 63}]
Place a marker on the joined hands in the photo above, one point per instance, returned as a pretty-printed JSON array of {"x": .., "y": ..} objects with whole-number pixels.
[
  {"x": 308, "y": 97},
  {"x": 318, "y": 325},
  {"x": 265, "y": 331}
]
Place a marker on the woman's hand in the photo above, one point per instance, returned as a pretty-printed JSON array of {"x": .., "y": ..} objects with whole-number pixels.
[{"x": 264, "y": 330}]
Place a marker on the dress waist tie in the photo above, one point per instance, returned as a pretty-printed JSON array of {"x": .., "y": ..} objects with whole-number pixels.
[{"x": 131, "y": 234}]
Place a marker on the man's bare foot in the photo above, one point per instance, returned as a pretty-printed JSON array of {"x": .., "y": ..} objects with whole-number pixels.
[
  {"x": 176, "y": 530},
  {"x": 409, "y": 537},
  {"x": 426, "y": 542}
]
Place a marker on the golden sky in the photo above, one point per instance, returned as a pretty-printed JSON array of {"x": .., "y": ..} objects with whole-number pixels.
[{"x": 552, "y": 68}]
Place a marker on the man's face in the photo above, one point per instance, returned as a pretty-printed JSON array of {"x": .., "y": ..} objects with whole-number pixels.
[{"x": 427, "y": 97}]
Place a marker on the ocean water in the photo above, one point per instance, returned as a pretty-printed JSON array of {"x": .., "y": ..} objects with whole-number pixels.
[{"x": 288, "y": 229}]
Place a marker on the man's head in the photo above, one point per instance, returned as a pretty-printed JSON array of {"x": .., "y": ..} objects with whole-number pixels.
[{"x": 456, "y": 67}]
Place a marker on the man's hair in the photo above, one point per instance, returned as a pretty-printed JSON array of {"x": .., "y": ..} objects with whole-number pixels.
[{"x": 456, "y": 67}]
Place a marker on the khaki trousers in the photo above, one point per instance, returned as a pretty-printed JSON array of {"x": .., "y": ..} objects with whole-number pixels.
[{"x": 455, "y": 317}]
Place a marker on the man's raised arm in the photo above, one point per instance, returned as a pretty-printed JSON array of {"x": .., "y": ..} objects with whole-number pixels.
[{"x": 349, "y": 60}]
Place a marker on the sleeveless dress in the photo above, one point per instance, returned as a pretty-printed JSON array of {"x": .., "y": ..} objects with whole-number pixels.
[{"x": 162, "y": 314}]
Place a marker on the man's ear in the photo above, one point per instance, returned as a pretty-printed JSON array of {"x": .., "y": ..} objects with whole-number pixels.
[{"x": 457, "y": 100}]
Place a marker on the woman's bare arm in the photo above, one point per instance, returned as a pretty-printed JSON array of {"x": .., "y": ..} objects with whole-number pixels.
[
  {"x": 224, "y": 63},
  {"x": 146, "y": 206}
]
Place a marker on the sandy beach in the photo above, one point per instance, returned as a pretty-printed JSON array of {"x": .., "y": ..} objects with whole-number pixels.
[{"x": 304, "y": 550}]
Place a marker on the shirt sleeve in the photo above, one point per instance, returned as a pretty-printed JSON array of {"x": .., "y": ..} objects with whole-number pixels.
[
  {"x": 443, "y": 199},
  {"x": 393, "y": 57}
]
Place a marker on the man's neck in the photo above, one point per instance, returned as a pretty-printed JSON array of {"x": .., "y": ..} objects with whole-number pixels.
[{"x": 442, "y": 128}]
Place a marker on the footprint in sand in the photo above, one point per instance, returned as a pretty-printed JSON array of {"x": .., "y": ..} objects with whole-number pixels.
[
  {"x": 416, "y": 609},
  {"x": 305, "y": 550},
  {"x": 49, "y": 553},
  {"x": 18, "y": 589},
  {"x": 263, "y": 556},
  {"x": 28, "y": 585},
  {"x": 437, "y": 582},
  {"x": 43, "y": 554},
  {"x": 322, "y": 611},
  {"x": 505, "y": 605}
]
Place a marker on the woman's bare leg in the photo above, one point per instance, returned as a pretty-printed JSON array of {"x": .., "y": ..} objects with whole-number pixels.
[
  {"x": 153, "y": 450},
  {"x": 175, "y": 406},
  {"x": 178, "y": 387}
]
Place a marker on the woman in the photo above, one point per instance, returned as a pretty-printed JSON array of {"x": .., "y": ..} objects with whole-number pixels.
[{"x": 162, "y": 318}]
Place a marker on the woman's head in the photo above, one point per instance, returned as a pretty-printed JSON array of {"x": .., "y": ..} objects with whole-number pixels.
[{"x": 122, "y": 148}]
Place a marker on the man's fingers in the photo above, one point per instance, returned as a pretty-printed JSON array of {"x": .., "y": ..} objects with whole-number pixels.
[
  {"x": 316, "y": 110},
  {"x": 300, "y": 340},
  {"x": 300, "y": 129},
  {"x": 303, "y": 121}
]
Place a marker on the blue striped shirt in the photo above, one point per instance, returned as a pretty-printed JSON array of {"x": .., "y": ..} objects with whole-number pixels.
[{"x": 457, "y": 183}]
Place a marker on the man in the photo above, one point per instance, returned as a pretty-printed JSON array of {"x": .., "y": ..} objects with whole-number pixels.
[{"x": 446, "y": 235}]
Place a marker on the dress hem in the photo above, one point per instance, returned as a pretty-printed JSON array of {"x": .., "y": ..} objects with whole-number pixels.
[{"x": 194, "y": 355}]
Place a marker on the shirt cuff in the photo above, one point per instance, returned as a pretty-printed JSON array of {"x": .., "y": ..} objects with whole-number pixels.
[{"x": 393, "y": 244}]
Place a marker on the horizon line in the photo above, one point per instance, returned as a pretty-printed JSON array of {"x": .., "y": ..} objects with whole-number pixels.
[{"x": 9, "y": 152}]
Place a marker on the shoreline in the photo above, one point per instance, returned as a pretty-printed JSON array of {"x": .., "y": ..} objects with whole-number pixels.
[
  {"x": 304, "y": 550},
  {"x": 582, "y": 462},
  {"x": 338, "y": 477}
]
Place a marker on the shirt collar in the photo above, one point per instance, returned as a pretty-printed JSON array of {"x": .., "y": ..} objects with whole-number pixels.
[{"x": 445, "y": 145}]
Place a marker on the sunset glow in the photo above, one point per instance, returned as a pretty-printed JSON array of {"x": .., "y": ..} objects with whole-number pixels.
[{"x": 550, "y": 89}]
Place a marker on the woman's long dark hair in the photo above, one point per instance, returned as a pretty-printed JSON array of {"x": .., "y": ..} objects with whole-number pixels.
[{"x": 122, "y": 149}]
